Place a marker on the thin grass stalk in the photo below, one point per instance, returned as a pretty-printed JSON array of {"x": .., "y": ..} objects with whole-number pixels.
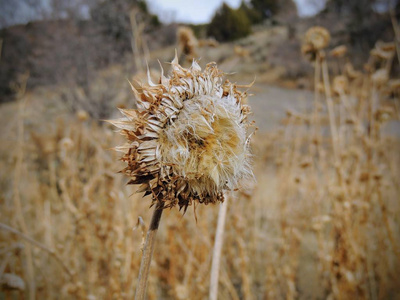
[
  {"x": 227, "y": 282},
  {"x": 385, "y": 220},
  {"x": 148, "y": 248},
  {"x": 216, "y": 258},
  {"x": 331, "y": 113},
  {"x": 39, "y": 245},
  {"x": 20, "y": 219},
  {"x": 396, "y": 30},
  {"x": 136, "y": 40},
  {"x": 317, "y": 76}
]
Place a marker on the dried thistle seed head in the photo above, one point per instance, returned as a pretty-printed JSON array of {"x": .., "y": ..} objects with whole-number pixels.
[
  {"x": 316, "y": 39},
  {"x": 339, "y": 51},
  {"x": 240, "y": 51},
  {"x": 187, "y": 41},
  {"x": 384, "y": 114},
  {"x": 210, "y": 42},
  {"x": 380, "y": 77},
  {"x": 82, "y": 115},
  {"x": 351, "y": 72},
  {"x": 66, "y": 144},
  {"x": 340, "y": 84},
  {"x": 383, "y": 50},
  {"x": 394, "y": 84},
  {"x": 188, "y": 140},
  {"x": 10, "y": 281}
]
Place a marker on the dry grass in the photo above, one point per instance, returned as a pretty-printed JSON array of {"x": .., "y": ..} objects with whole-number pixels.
[
  {"x": 322, "y": 222},
  {"x": 187, "y": 42}
]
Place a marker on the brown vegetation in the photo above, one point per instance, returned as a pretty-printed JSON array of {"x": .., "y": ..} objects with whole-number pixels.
[
  {"x": 187, "y": 42},
  {"x": 322, "y": 221}
]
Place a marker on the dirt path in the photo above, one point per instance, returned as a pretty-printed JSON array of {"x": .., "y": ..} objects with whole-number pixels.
[{"x": 270, "y": 103}]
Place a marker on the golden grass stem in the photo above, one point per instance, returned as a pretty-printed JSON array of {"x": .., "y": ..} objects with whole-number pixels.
[
  {"x": 386, "y": 223},
  {"x": 396, "y": 30},
  {"x": 317, "y": 76},
  {"x": 138, "y": 41},
  {"x": 37, "y": 244},
  {"x": 331, "y": 113},
  {"x": 20, "y": 89},
  {"x": 216, "y": 258},
  {"x": 148, "y": 248}
]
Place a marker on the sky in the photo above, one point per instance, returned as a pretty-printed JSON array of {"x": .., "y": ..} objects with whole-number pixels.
[
  {"x": 185, "y": 11},
  {"x": 201, "y": 11}
]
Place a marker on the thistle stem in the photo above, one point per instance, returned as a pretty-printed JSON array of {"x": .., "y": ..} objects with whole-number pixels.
[
  {"x": 216, "y": 258},
  {"x": 148, "y": 248}
]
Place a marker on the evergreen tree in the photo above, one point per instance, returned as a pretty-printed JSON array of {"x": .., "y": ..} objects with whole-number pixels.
[
  {"x": 229, "y": 24},
  {"x": 266, "y": 8}
]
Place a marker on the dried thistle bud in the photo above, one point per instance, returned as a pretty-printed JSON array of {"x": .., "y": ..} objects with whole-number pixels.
[
  {"x": 210, "y": 42},
  {"x": 66, "y": 144},
  {"x": 380, "y": 77},
  {"x": 381, "y": 54},
  {"x": 240, "y": 51},
  {"x": 351, "y": 72},
  {"x": 188, "y": 139},
  {"x": 340, "y": 84},
  {"x": 320, "y": 87},
  {"x": 394, "y": 84},
  {"x": 305, "y": 163},
  {"x": 10, "y": 281},
  {"x": 187, "y": 41},
  {"x": 384, "y": 114},
  {"x": 384, "y": 50},
  {"x": 316, "y": 39},
  {"x": 389, "y": 46},
  {"x": 82, "y": 115},
  {"x": 338, "y": 51}
]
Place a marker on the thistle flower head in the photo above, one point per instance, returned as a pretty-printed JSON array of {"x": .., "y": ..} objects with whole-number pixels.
[{"x": 188, "y": 140}]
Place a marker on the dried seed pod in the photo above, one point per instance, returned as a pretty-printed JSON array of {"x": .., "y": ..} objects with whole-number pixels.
[
  {"x": 66, "y": 144},
  {"x": 316, "y": 39},
  {"x": 351, "y": 72},
  {"x": 339, "y": 51},
  {"x": 384, "y": 50},
  {"x": 384, "y": 114},
  {"x": 211, "y": 42},
  {"x": 188, "y": 139},
  {"x": 9, "y": 281},
  {"x": 394, "y": 84},
  {"x": 187, "y": 41},
  {"x": 340, "y": 84},
  {"x": 82, "y": 115},
  {"x": 380, "y": 77},
  {"x": 240, "y": 51}
]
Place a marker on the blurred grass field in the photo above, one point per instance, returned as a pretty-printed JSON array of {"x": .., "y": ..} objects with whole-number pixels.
[{"x": 322, "y": 221}]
